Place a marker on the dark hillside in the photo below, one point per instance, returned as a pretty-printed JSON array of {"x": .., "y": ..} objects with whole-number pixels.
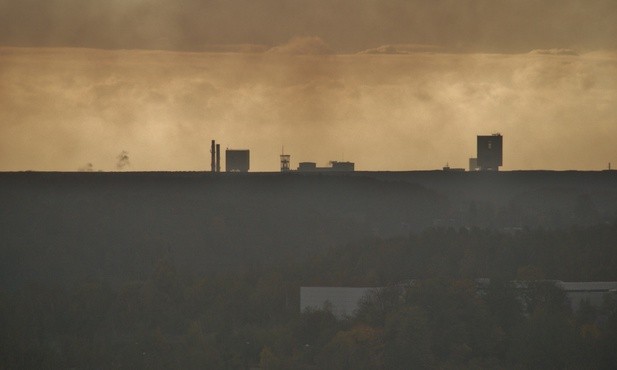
[
  {"x": 68, "y": 226},
  {"x": 552, "y": 199},
  {"x": 194, "y": 270}
]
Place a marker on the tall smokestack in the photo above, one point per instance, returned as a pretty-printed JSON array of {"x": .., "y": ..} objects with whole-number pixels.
[
  {"x": 218, "y": 157},
  {"x": 213, "y": 157}
]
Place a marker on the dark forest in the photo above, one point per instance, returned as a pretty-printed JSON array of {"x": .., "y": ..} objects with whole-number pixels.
[{"x": 197, "y": 270}]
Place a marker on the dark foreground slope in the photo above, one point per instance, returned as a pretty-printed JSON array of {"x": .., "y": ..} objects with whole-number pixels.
[
  {"x": 194, "y": 271},
  {"x": 106, "y": 225},
  {"x": 69, "y": 226},
  {"x": 551, "y": 199}
]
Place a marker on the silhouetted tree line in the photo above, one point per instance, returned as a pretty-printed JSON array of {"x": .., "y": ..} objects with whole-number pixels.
[{"x": 431, "y": 315}]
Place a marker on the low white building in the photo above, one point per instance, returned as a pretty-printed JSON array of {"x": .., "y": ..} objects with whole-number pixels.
[{"x": 590, "y": 291}]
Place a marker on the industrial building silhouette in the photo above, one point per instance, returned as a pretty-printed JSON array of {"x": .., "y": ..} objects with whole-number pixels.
[
  {"x": 489, "y": 157},
  {"x": 335, "y": 166},
  {"x": 236, "y": 160},
  {"x": 489, "y": 153}
]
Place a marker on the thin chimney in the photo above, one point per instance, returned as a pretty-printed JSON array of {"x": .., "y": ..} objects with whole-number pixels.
[
  {"x": 218, "y": 157},
  {"x": 213, "y": 156}
]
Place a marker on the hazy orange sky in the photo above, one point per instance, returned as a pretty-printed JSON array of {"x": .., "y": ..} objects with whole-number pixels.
[{"x": 390, "y": 85}]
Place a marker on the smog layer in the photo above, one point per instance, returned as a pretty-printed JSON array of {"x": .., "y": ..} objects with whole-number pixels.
[{"x": 61, "y": 109}]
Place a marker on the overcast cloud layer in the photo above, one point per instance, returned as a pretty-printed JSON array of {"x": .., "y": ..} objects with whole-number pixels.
[
  {"x": 393, "y": 85},
  {"x": 346, "y": 25},
  {"x": 64, "y": 108}
]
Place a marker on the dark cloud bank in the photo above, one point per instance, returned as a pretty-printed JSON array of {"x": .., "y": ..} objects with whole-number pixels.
[{"x": 346, "y": 25}]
